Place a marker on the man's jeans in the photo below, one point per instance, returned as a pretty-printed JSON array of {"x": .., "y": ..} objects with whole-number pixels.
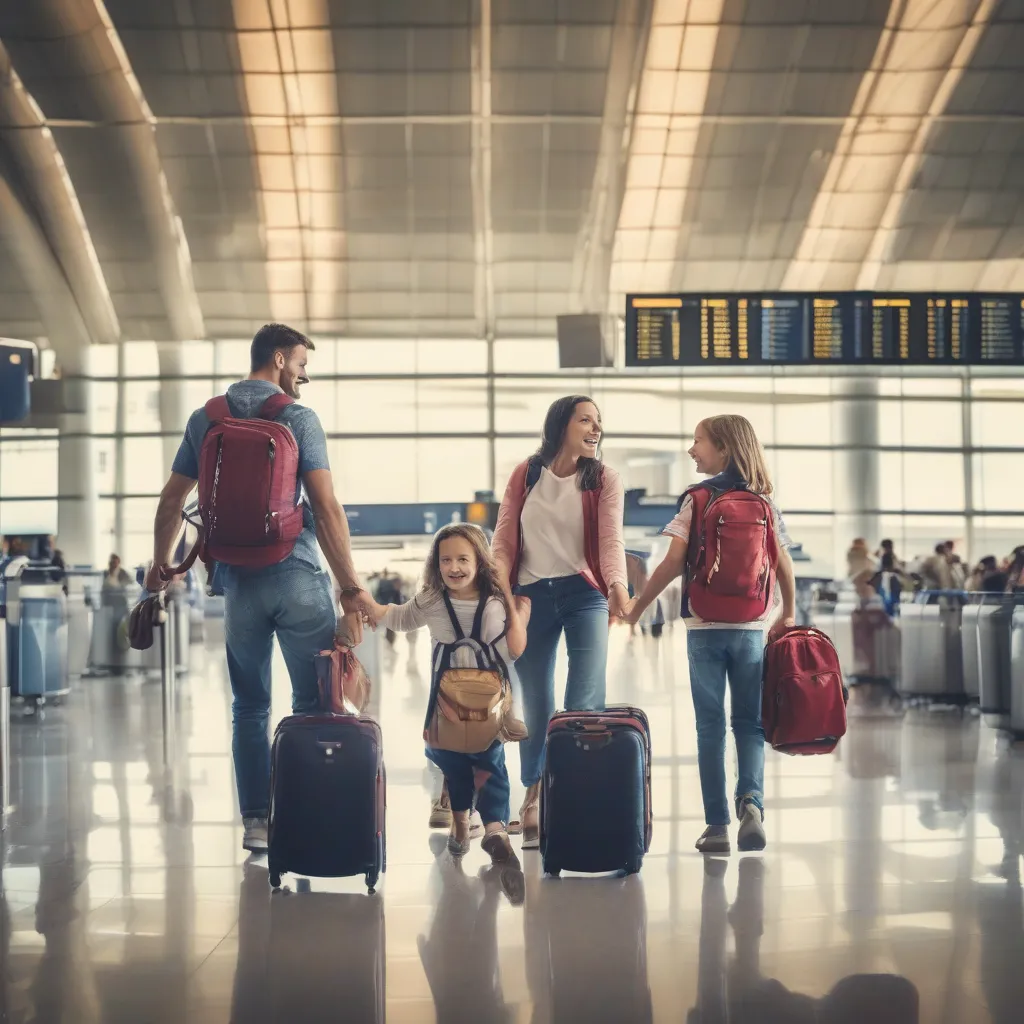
[
  {"x": 294, "y": 600},
  {"x": 572, "y": 604},
  {"x": 713, "y": 654}
]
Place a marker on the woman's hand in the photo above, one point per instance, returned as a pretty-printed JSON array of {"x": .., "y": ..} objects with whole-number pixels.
[
  {"x": 618, "y": 602},
  {"x": 631, "y": 618}
]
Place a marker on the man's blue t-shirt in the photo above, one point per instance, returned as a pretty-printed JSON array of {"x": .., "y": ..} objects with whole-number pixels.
[{"x": 245, "y": 399}]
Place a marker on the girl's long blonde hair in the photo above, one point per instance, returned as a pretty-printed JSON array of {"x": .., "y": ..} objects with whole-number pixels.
[
  {"x": 734, "y": 437},
  {"x": 486, "y": 573}
]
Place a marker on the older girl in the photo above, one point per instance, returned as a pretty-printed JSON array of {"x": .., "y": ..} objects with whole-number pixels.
[{"x": 728, "y": 451}]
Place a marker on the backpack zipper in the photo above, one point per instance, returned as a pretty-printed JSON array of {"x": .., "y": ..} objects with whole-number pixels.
[
  {"x": 718, "y": 545},
  {"x": 270, "y": 486},
  {"x": 216, "y": 481}
]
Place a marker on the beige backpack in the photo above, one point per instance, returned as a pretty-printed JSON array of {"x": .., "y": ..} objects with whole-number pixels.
[{"x": 468, "y": 704}]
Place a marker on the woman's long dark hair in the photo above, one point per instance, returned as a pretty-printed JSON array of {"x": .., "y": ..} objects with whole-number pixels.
[{"x": 588, "y": 471}]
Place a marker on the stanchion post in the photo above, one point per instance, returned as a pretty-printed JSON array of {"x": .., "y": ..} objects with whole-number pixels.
[
  {"x": 168, "y": 683},
  {"x": 5, "y": 729}
]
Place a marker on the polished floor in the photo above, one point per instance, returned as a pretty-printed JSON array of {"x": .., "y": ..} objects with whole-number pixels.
[{"x": 890, "y": 890}]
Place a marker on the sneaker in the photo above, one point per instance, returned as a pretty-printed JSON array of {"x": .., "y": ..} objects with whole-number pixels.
[
  {"x": 476, "y": 825},
  {"x": 714, "y": 839},
  {"x": 457, "y": 847},
  {"x": 440, "y": 814},
  {"x": 751, "y": 834},
  {"x": 254, "y": 839}
]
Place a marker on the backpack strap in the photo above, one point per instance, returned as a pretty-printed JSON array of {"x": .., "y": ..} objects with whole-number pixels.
[
  {"x": 534, "y": 465},
  {"x": 459, "y": 634},
  {"x": 217, "y": 409},
  {"x": 478, "y": 619},
  {"x": 272, "y": 407},
  {"x": 701, "y": 495}
]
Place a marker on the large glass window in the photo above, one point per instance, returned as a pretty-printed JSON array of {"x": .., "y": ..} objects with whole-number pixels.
[{"x": 409, "y": 420}]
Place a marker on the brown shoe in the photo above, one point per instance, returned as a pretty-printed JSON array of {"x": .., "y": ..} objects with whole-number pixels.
[{"x": 498, "y": 847}]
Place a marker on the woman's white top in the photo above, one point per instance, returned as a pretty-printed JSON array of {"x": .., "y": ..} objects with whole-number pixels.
[{"x": 552, "y": 523}]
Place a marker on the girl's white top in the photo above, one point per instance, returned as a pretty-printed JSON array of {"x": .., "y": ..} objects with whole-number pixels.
[{"x": 424, "y": 610}]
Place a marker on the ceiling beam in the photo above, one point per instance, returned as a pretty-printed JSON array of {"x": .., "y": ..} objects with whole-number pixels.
[
  {"x": 480, "y": 171},
  {"x": 119, "y": 94},
  {"x": 880, "y": 250},
  {"x": 592, "y": 262},
  {"x": 57, "y": 307},
  {"x": 40, "y": 171},
  {"x": 104, "y": 78}
]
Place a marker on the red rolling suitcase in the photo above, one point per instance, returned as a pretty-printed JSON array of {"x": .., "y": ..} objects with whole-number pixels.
[
  {"x": 327, "y": 798},
  {"x": 803, "y": 700}
]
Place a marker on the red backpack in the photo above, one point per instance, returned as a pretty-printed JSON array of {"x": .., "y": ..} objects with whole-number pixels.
[
  {"x": 248, "y": 474},
  {"x": 803, "y": 699},
  {"x": 731, "y": 556}
]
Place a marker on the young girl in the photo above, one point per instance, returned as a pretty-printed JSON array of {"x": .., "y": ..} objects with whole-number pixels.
[
  {"x": 726, "y": 449},
  {"x": 460, "y": 564}
]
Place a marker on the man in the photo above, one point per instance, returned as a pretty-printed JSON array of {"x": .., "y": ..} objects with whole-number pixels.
[
  {"x": 293, "y": 598},
  {"x": 935, "y": 570}
]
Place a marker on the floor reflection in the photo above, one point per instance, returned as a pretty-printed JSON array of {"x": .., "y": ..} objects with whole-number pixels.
[
  {"x": 890, "y": 890},
  {"x": 586, "y": 949},
  {"x": 734, "y": 988},
  {"x": 459, "y": 951}
]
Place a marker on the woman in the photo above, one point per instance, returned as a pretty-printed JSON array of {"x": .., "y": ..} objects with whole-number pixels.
[
  {"x": 558, "y": 541},
  {"x": 727, "y": 449},
  {"x": 859, "y": 563}
]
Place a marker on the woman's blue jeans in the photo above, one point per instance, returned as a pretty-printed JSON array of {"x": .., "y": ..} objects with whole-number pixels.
[
  {"x": 573, "y": 605},
  {"x": 714, "y": 655}
]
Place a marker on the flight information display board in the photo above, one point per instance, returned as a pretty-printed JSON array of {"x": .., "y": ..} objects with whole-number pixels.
[{"x": 812, "y": 329}]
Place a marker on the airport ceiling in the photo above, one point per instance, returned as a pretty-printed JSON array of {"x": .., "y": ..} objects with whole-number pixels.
[{"x": 184, "y": 169}]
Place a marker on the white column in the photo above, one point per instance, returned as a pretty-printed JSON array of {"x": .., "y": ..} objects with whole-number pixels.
[
  {"x": 174, "y": 410},
  {"x": 856, "y": 489},
  {"x": 77, "y": 467}
]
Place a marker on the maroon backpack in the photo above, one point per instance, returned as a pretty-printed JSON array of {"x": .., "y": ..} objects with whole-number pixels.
[
  {"x": 731, "y": 556},
  {"x": 248, "y": 476},
  {"x": 803, "y": 699}
]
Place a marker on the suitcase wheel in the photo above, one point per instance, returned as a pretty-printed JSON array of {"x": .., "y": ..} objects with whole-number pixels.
[
  {"x": 553, "y": 870},
  {"x": 633, "y": 867},
  {"x": 275, "y": 879},
  {"x": 371, "y": 882}
]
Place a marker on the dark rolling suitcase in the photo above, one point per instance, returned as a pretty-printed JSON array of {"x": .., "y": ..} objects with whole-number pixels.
[
  {"x": 327, "y": 798},
  {"x": 595, "y": 810}
]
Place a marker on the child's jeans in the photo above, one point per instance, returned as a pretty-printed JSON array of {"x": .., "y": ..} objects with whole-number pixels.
[{"x": 483, "y": 775}]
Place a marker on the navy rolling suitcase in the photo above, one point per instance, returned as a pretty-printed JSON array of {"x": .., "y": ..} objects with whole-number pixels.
[
  {"x": 595, "y": 805},
  {"x": 327, "y": 798}
]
